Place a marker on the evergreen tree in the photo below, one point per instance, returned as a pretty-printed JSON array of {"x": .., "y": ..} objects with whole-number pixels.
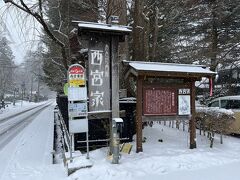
[
  {"x": 208, "y": 33},
  {"x": 6, "y": 66}
]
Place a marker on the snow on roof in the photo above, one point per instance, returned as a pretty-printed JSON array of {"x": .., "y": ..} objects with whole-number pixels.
[
  {"x": 169, "y": 67},
  {"x": 101, "y": 26}
]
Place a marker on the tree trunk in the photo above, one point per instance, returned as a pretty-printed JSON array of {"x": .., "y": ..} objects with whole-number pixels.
[
  {"x": 138, "y": 30},
  {"x": 211, "y": 138},
  {"x": 123, "y": 46},
  {"x": 214, "y": 34},
  {"x": 155, "y": 35}
]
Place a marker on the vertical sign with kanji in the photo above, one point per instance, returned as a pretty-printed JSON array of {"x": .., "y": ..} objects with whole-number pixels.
[{"x": 99, "y": 77}]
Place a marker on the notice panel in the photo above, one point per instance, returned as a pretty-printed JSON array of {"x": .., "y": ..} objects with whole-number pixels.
[
  {"x": 184, "y": 105},
  {"x": 159, "y": 101}
]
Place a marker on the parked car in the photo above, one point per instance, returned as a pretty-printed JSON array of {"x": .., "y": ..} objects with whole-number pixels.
[{"x": 233, "y": 103}]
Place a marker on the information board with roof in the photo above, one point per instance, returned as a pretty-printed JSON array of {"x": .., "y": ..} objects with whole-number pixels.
[{"x": 165, "y": 92}]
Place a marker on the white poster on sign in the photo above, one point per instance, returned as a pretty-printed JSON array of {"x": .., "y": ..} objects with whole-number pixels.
[
  {"x": 184, "y": 105},
  {"x": 78, "y": 126},
  {"x": 77, "y": 93},
  {"x": 77, "y": 109}
]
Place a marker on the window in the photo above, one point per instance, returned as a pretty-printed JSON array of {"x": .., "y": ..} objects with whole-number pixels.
[
  {"x": 230, "y": 104},
  {"x": 235, "y": 104},
  {"x": 225, "y": 104},
  {"x": 214, "y": 104}
]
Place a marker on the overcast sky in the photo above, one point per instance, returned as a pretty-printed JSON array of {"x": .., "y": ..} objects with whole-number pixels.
[{"x": 22, "y": 33}]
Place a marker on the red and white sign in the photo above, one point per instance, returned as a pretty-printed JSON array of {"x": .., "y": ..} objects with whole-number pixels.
[
  {"x": 76, "y": 69},
  {"x": 76, "y": 76}
]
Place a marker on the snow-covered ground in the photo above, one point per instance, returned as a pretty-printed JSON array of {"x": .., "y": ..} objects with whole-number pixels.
[
  {"x": 28, "y": 157},
  {"x": 170, "y": 159}
]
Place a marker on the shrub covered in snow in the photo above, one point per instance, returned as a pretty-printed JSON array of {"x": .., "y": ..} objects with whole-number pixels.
[{"x": 214, "y": 119}]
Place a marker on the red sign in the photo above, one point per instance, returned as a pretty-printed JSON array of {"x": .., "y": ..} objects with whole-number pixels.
[
  {"x": 76, "y": 77},
  {"x": 76, "y": 70},
  {"x": 159, "y": 101}
]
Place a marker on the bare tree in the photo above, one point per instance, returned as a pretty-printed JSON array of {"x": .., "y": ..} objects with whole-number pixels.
[
  {"x": 138, "y": 30},
  {"x": 37, "y": 12}
]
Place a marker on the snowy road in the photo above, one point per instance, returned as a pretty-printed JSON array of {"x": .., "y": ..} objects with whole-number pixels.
[
  {"x": 29, "y": 155},
  {"x": 12, "y": 125}
]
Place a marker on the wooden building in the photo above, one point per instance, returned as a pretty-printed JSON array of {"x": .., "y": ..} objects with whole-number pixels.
[{"x": 165, "y": 92}]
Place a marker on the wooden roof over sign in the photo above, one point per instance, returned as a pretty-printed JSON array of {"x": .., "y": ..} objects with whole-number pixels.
[
  {"x": 167, "y": 69},
  {"x": 103, "y": 28}
]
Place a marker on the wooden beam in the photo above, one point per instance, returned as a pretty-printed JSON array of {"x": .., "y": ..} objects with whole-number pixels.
[
  {"x": 139, "y": 114},
  {"x": 130, "y": 72},
  {"x": 192, "y": 125},
  {"x": 164, "y": 118}
]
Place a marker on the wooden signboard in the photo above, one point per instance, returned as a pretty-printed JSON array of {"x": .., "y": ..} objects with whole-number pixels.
[
  {"x": 159, "y": 101},
  {"x": 99, "y": 76}
]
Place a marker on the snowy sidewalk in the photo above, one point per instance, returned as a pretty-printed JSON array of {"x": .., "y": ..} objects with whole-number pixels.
[{"x": 28, "y": 156}]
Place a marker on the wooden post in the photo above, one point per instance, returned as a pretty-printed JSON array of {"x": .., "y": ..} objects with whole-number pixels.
[
  {"x": 192, "y": 126},
  {"x": 139, "y": 115},
  {"x": 115, "y": 77},
  {"x": 115, "y": 86}
]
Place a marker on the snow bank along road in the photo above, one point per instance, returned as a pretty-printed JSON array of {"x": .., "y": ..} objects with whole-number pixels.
[{"x": 25, "y": 151}]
